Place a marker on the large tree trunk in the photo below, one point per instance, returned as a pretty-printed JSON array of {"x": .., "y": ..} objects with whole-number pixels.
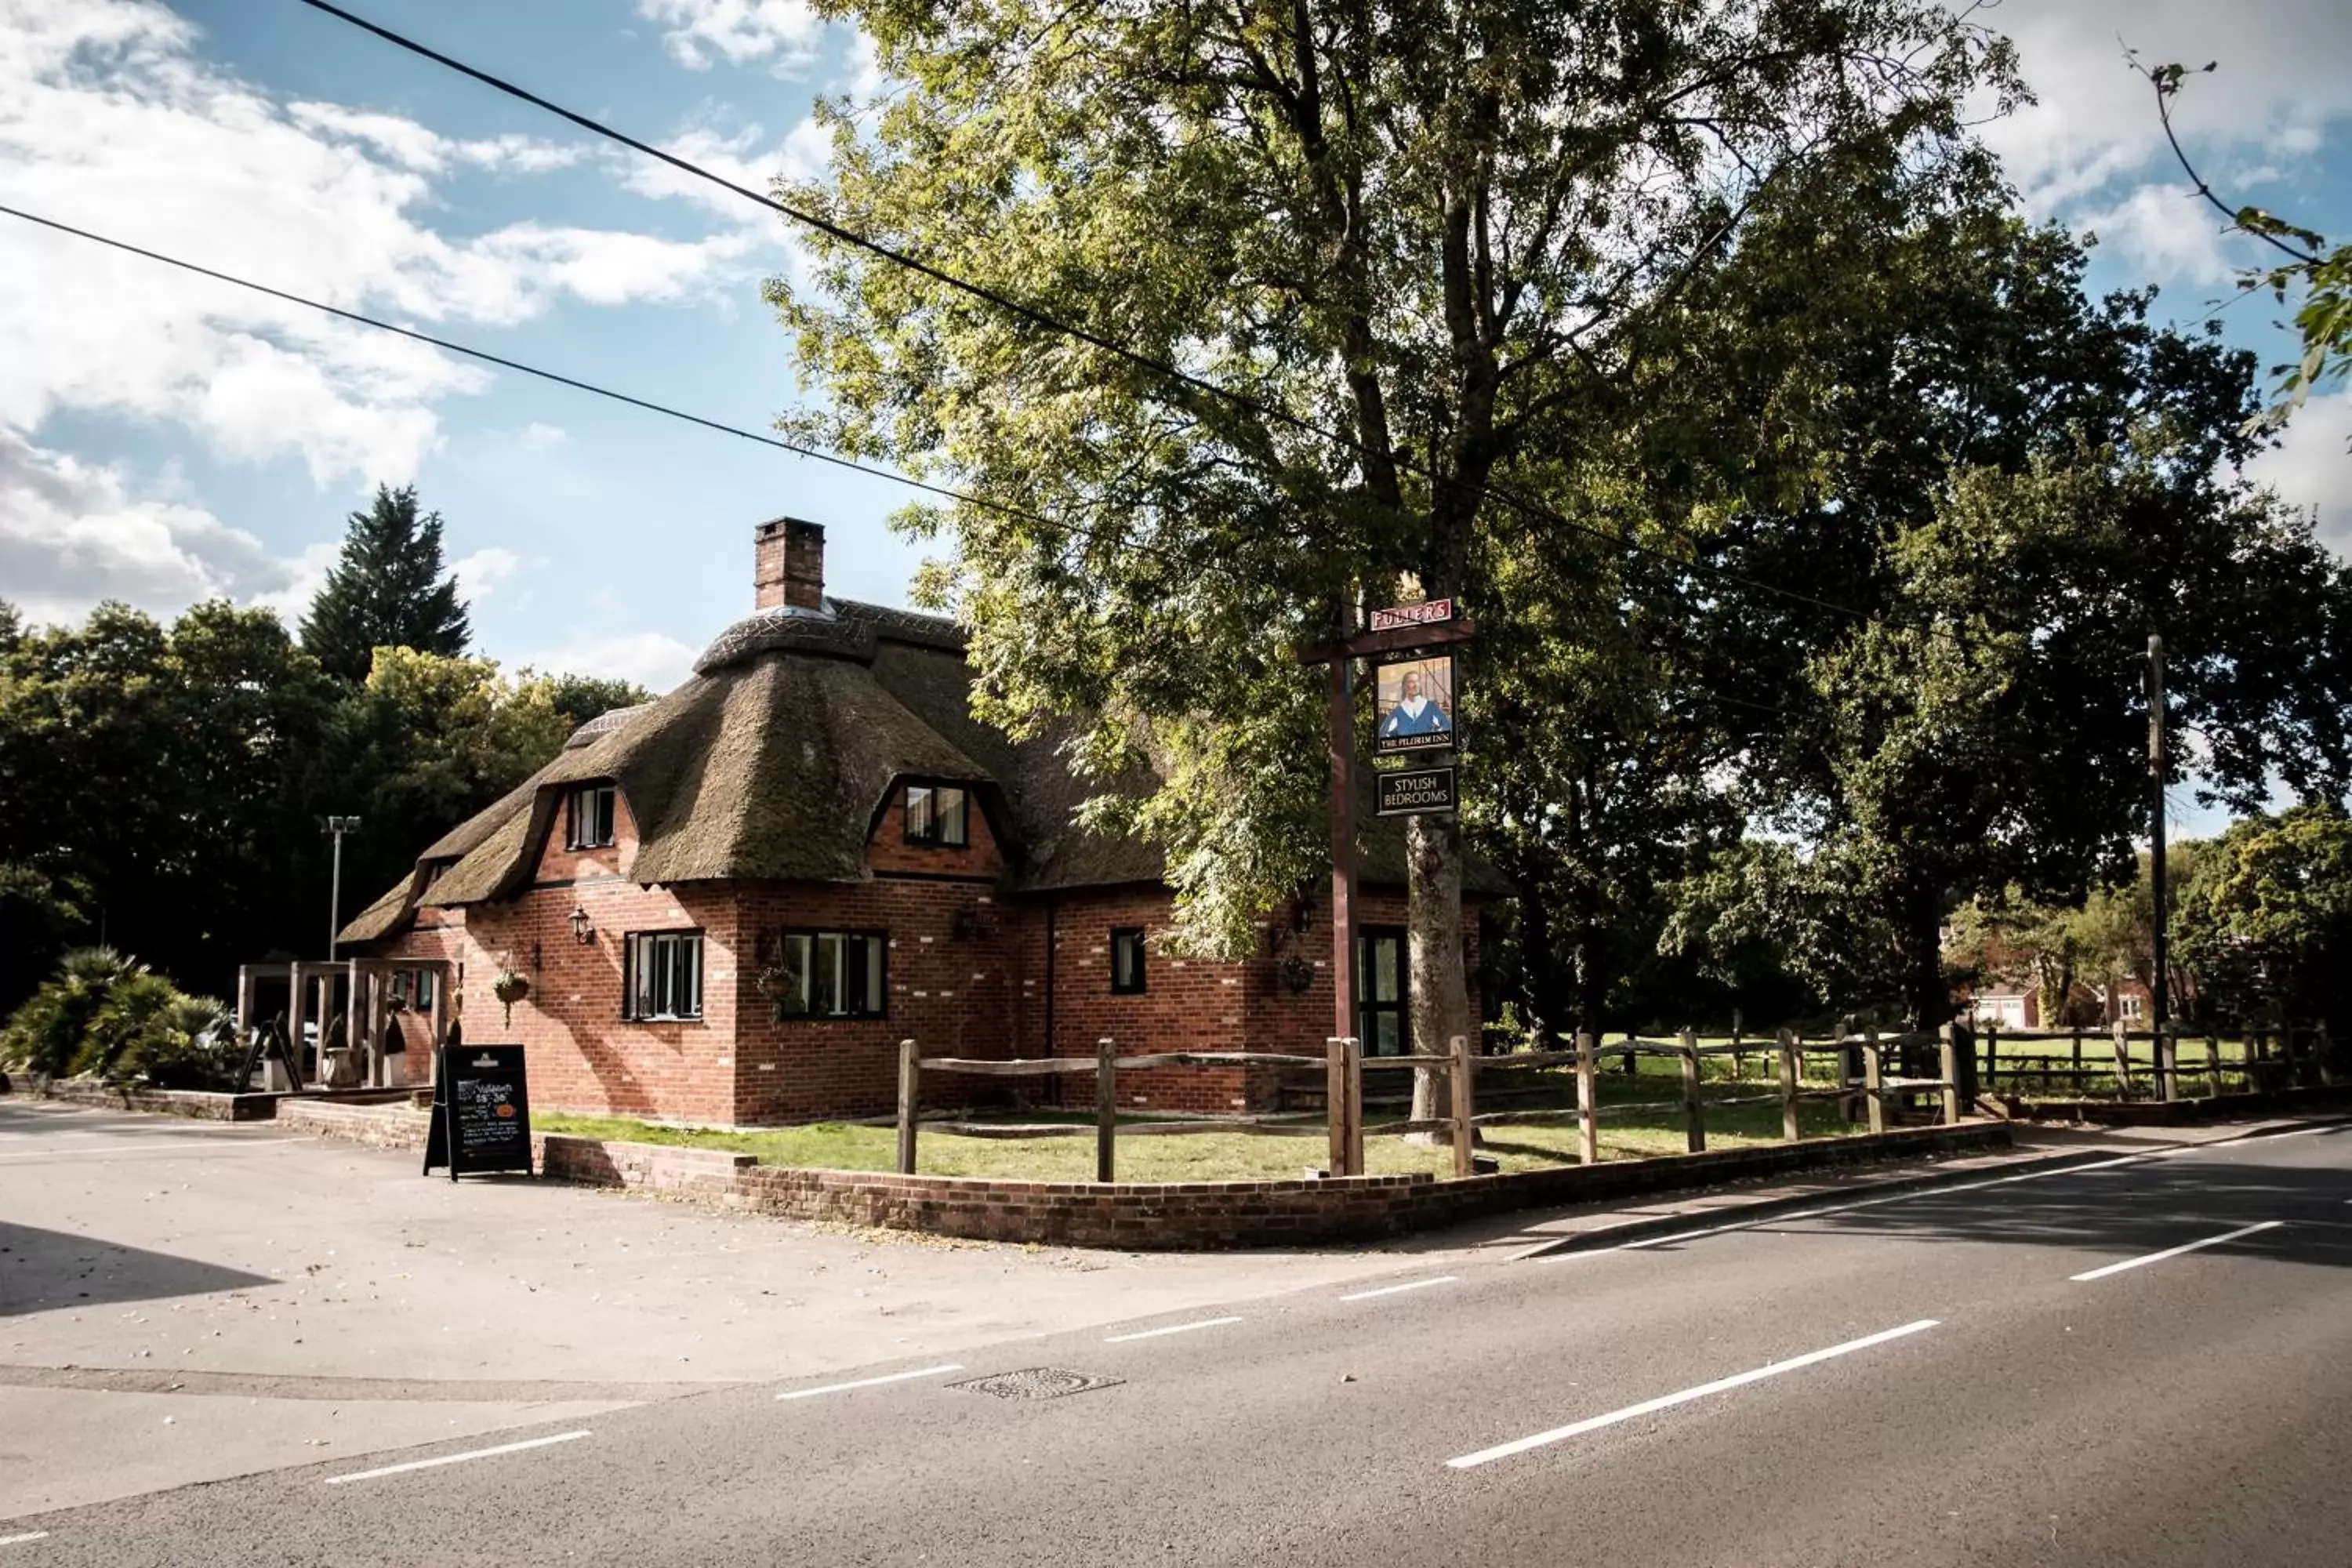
[{"x": 1437, "y": 989}]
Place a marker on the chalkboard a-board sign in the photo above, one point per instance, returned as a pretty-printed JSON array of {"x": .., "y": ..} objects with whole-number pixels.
[{"x": 481, "y": 1111}]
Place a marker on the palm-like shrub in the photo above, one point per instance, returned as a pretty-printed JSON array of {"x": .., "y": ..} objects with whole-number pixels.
[
  {"x": 105, "y": 1015},
  {"x": 46, "y": 1033}
]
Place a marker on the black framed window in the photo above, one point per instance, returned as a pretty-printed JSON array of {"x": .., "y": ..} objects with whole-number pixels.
[
  {"x": 938, "y": 814},
  {"x": 591, "y": 816},
  {"x": 664, "y": 977},
  {"x": 1127, "y": 964},
  {"x": 1380, "y": 1016},
  {"x": 834, "y": 975}
]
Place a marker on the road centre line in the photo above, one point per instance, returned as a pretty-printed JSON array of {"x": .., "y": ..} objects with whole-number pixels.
[
  {"x": 144, "y": 1148},
  {"x": 28, "y": 1536},
  {"x": 1392, "y": 1289},
  {"x": 455, "y": 1458},
  {"x": 1667, "y": 1401},
  {"x": 2175, "y": 1251},
  {"x": 1175, "y": 1329},
  {"x": 873, "y": 1382}
]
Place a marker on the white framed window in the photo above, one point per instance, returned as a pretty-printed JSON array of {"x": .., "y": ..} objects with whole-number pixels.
[
  {"x": 834, "y": 975},
  {"x": 1127, "y": 966},
  {"x": 591, "y": 816},
  {"x": 938, "y": 814},
  {"x": 665, "y": 978},
  {"x": 2134, "y": 1007}
]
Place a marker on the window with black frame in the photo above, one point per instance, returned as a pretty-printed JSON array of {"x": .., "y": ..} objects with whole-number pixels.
[
  {"x": 1380, "y": 1020},
  {"x": 1127, "y": 961},
  {"x": 832, "y": 974},
  {"x": 591, "y": 816},
  {"x": 938, "y": 814},
  {"x": 665, "y": 978}
]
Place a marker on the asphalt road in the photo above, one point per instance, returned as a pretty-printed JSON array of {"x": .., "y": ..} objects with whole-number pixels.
[{"x": 1963, "y": 1376}]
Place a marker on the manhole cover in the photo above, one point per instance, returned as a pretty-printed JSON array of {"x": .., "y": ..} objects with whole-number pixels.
[{"x": 1036, "y": 1382}]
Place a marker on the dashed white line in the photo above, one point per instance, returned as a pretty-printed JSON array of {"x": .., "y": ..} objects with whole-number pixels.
[
  {"x": 1667, "y": 1401},
  {"x": 28, "y": 1536},
  {"x": 1392, "y": 1289},
  {"x": 873, "y": 1382},
  {"x": 455, "y": 1458},
  {"x": 1174, "y": 1329},
  {"x": 2175, "y": 1251}
]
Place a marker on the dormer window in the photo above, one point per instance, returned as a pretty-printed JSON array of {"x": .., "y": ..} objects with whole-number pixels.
[
  {"x": 938, "y": 814},
  {"x": 591, "y": 816}
]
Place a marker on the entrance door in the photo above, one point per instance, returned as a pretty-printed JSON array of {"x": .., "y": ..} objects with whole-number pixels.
[{"x": 1381, "y": 991}]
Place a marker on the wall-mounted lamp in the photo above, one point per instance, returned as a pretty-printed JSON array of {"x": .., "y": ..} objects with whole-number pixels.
[{"x": 582, "y": 931}]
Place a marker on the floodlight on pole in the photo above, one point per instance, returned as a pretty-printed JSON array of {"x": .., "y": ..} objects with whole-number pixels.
[{"x": 336, "y": 826}]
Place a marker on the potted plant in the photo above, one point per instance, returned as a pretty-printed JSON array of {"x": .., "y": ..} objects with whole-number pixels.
[{"x": 510, "y": 988}]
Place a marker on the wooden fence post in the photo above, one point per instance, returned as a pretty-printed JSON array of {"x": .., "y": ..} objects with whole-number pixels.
[
  {"x": 1106, "y": 1110},
  {"x": 1790, "y": 1130},
  {"x": 1465, "y": 1130},
  {"x": 911, "y": 1095},
  {"x": 2212, "y": 1061},
  {"x": 2076, "y": 1080},
  {"x": 1872, "y": 1072},
  {"x": 2123, "y": 1060},
  {"x": 2321, "y": 1049},
  {"x": 1693, "y": 1118},
  {"x": 2165, "y": 1045},
  {"x": 1738, "y": 1055},
  {"x": 1992, "y": 1056},
  {"x": 1335, "y": 1100},
  {"x": 1949, "y": 1056},
  {"x": 1588, "y": 1129}
]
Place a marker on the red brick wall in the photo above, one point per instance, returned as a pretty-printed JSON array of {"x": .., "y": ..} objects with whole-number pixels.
[
  {"x": 950, "y": 989},
  {"x": 888, "y": 849}
]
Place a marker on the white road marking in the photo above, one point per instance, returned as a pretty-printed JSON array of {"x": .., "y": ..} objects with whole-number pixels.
[
  {"x": 455, "y": 1458},
  {"x": 1178, "y": 1329},
  {"x": 1667, "y": 1401},
  {"x": 873, "y": 1382},
  {"x": 28, "y": 1536},
  {"x": 2175, "y": 1251},
  {"x": 1392, "y": 1289}
]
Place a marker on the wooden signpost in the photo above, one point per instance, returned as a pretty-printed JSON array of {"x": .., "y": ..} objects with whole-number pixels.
[
  {"x": 1400, "y": 629},
  {"x": 481, "y": 1111}
]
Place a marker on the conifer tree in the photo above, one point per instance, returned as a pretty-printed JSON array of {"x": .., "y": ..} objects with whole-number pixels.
[{"x": 387, "y": 590}]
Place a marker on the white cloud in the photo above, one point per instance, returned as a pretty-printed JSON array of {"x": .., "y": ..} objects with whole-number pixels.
[
  {"x": 2094, "y": 140},
  {"x": 538, "y": 438},
  {"x": 2312, "y": 467},
  {"x": 110, "y": 119},
  {"x": 2170, "y": 234},
  {"x": 701, "y": 32},
  {"x": 651, "y": 660},
  {"x": 743, "y": 157},
  {"x": 479, "y": 574},
  {"x": 72, "y": 534},
  {"x": 305, "y": 575}
]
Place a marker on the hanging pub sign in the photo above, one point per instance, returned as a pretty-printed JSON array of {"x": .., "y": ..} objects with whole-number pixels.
[
  {"x": 1412, "y": 698},
  {"x": 1413, "y": 792},
  {"x": 481, "y": 1111},
  {"x": 1427, "y": 613}
]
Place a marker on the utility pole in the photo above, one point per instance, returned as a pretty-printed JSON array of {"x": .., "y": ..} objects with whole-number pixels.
[
  {"x": 2159, "y": 1012},
  {"x": 336, "y": 827}
]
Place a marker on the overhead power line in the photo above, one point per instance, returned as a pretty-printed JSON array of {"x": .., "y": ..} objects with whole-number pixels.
[
  {"x": 1686, "y": 688},
  {"x": 1038, "y": 316}
]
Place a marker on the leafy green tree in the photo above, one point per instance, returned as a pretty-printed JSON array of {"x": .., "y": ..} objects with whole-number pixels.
[
  {"x": 2268, "y": 917},
  {"x": 1446, "y": 234},
  {"x": 386, "y": 591},
  {"x": 579, "y": 698}
]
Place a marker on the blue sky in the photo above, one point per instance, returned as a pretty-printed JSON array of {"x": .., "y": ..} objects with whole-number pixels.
[{"x": 163, "y": 437}]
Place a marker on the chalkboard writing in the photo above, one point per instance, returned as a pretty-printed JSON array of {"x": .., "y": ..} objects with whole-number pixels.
[{"x": 481, "y": 1111}]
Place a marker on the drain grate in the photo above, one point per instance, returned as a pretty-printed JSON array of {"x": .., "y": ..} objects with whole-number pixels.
[{"x": 1036, "y": 1382}]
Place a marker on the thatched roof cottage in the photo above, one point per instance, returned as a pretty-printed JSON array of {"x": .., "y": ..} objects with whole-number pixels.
[{"x": 730, "y": 903}]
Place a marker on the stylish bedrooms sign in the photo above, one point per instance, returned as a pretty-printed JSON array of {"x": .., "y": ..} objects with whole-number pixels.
[{"x": 481, "y": 1111}]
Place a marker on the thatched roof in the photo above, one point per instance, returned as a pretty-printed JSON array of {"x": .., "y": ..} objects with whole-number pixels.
[{"x": 776, "y": 758}]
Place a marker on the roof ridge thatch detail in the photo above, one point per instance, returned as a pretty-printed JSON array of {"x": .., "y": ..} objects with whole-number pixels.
[
  {"x": 788, "y": 629},
  {"x": 603, "y": 724}
]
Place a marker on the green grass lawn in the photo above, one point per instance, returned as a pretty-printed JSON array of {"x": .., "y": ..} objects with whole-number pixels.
[{"x": 1224, "y": 1156}]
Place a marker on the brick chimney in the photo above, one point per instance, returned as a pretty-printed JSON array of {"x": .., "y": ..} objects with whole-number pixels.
[{"x": 788, "y": 565}]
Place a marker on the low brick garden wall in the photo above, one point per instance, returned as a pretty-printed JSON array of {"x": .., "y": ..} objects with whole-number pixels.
[
  {"x": 1134, "y": 1216},
  {"x": 203, "y": 1104},
  {"x": 2187, "y": 1111}
]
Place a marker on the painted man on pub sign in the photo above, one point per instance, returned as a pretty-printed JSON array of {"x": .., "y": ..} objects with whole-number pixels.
[{"x": 1414, "y": 699}]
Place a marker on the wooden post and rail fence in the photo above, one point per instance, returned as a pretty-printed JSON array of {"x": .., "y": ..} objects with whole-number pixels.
[
  {"x": 2269, "y": 1057},
  {"x": 1343, "y": 1062}
]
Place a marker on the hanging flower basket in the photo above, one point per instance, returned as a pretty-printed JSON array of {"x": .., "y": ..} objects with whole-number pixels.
[
  {"x": 1294, "y": 972},
  {"x": 777, "y": 985},
  {"x": 510, "y": 988}
]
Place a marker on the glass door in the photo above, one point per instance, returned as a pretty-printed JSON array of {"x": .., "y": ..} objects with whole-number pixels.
[{"x": 1380, "y": 990}]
